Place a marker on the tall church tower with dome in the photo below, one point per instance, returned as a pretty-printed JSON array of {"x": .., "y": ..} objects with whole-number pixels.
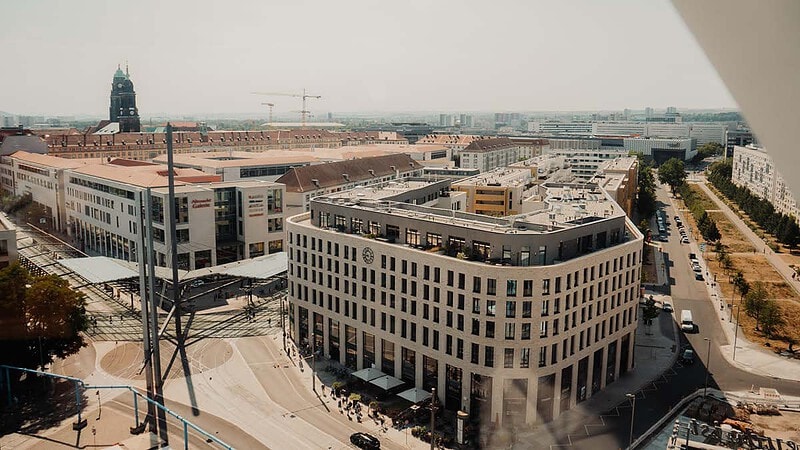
[{"x": 123, "y": 103}]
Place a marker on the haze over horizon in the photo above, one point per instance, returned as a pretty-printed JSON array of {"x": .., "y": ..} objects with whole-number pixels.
[{"x": 203, "y": 57}]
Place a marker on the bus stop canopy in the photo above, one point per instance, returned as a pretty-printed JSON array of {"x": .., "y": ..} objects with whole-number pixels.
[{"x": 102, "y": 269}]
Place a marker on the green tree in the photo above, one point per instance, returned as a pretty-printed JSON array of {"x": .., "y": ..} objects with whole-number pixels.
[
  {"x": 755, "y": 301},
  {"x": 725, "y": 261},
  {"x": 771, "y": 318},
  {"x": 13, "y": 282},
  {"x": 672, "y": 173},
  {"x": 708, "y": 149},
  {"x": 740, "y": 284},
  {"x": 42, "y": 318},
  {"x": 650, "y": 311},
  {"x": 646, "y": 195},
  {"x": 711, "y": 232}
]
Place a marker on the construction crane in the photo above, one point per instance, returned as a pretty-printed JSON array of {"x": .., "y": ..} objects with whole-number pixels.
[
  {"x": 305, "y": 96},
  {"x": 270, "y": 105}
]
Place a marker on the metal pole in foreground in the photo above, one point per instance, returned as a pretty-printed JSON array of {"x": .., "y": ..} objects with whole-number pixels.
[
  {"x": 708, "y": 365},
  {"x": 736, "y": 332},
  {"x": 433, "y": 416},
  {"x": 283, "y": 327},
  {"x": 314, "y": 363},
  {"x": 633, "y": 414}
]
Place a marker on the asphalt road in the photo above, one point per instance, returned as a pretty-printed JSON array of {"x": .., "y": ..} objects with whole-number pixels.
[
  {"x": 611, "y": 429},
  {"x": 687, "y": 293}
]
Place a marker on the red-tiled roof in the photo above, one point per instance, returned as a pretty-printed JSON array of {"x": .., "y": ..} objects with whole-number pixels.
[{"x": 299, "y": 179}]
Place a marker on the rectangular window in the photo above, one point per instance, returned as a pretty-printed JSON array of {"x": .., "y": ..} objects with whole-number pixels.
[
  {"x": 491, "y": 286},
  {"x": 524, "y": 358},
  {"x": 490, "y": 308},
  {"x": 511, "y": 288},
  {"x": 526, "y": 309},
  {"x": 488, "y": 356},
  {"x": 527, "y": 288},
  {"x": 508, "y": 358},
  {"x": 476, "y": 284},
  {"x": 526, "y": 331},
  {"x": 511, "y": 308},
  {"x": 489, "y": 329},
  {"x": 510, "y": 331}
]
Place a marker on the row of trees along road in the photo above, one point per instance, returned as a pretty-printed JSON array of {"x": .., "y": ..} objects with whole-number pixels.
[
  {"x": 41, "y": 318},
  {"x": 783, "y": 226}
]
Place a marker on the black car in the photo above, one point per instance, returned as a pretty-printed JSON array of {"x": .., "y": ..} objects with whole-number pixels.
[
  {"x": 365, "y": 441},
  {"x": 688, "y": 356}
]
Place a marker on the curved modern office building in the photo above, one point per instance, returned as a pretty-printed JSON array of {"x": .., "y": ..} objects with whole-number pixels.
[{"x": 513, "y": 319}]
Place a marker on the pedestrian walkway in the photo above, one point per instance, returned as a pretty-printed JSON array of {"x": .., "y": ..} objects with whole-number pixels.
[
  {"x": 780, "y": 265},
  {"x": 749, "y": 356}
]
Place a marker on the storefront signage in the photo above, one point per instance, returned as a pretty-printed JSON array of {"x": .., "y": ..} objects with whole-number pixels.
[
  {"x": 255, "y": 205},
  {"x": 201, "y": 203}
]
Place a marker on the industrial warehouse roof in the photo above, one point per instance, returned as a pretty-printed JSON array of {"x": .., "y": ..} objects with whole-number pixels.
[{"x": 102, "y": 269}]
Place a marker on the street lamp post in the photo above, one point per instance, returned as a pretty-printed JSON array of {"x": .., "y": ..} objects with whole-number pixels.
[
  {"x": 433, "y": 415},
  {"x": 314, "y": 363},
  {"x": 708, "y": 365},
  {"x": 283, "y": 326},
  {"x": 633, "y": 413},
  {"x": 736, "y": 331}
]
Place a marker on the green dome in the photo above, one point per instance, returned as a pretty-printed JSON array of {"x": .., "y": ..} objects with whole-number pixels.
[{"x": 119, "y": 73}]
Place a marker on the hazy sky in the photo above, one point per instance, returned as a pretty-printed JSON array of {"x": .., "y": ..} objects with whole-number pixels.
[{"x": 203, "y": 56}]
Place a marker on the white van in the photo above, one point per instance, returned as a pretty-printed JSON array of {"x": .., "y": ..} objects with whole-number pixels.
[{"x": 686, "y": 320}]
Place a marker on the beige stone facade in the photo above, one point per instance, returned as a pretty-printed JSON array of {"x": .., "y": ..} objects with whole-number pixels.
[{"x": 522, "y": 324}]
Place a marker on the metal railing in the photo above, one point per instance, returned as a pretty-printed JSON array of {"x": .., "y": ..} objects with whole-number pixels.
[{"x": 81, "y": 386}]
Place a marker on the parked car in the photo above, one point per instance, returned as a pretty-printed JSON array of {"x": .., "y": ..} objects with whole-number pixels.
[
  {"x": 666, "y": 307},
  {"x": 197, "y": 283},
  {"x": 688, "y": 356},
  {"x": 696, "y": 267},
  {"x": 698, "y": 276},
  {"x": 692, "y": 257},
  {"x": 684, "y": 240},
  {"x": 365, "y": 441},
  {"x": 677, "y": 219}
]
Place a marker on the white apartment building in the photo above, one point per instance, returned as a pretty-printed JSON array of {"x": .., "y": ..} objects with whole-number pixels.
[
  {"x": 585, "y": 162},
  {"x": 41, "y": 177},
  {"x": 8, "y": 242},
  {"x": 555, "y": 127},
  {"x": 217, "y": 222},
  {"x": 95, "y": 203},
  {"x": 488, "y": 154},
  {"x": 754, "y": 169},
  {"x": 703, "y": 133},
  {"x": 512, "y": 320},
  {"x": 619, "y": 128}
]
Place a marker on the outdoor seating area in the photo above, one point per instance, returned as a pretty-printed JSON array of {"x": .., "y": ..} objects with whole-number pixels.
[{"x": 384, "y": 399}]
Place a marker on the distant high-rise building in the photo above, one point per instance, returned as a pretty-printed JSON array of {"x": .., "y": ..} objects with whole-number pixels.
[
  {"x": 648, "y": 112},
  {"x": 123, "y": 103},
  {"x": 446, "y": 120},
  {"x": 465, "y": 120}
]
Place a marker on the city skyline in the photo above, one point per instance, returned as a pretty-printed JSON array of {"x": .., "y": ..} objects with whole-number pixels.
[{"x": 443, "y": 57}]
